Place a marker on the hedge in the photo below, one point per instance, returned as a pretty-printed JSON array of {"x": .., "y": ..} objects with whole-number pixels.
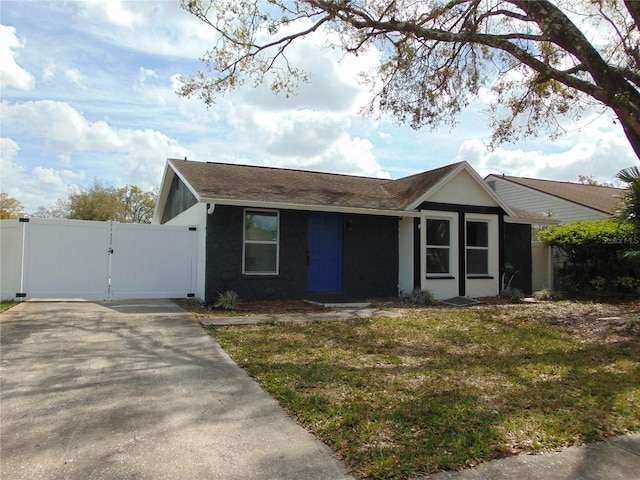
[{"x": 594, "y": 256}]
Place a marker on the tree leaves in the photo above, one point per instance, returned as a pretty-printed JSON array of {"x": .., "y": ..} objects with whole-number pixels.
[
  {"x": 128, "y": 204},
  {"x": 536, "y": 56}
]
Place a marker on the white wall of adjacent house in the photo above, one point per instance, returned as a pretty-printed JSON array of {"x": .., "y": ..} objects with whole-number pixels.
[
  {"x": 542, "y": 266},
  {"x": 525, "y": 198},
  {"x": 196, "y": 216},
  {"x": 405, "y": 254}
]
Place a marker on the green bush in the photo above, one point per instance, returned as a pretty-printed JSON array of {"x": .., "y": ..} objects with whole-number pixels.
[
  {"x": 546, "y": 294},
  {"x": 628, "y": 284},
  {"x": 512, "y": 294},
  {"x": 597, "y": 255},
  {"x": 228, "y": 300},
  {"x": 421, "y": 297}
]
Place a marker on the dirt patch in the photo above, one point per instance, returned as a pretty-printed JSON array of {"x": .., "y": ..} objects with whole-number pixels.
[
  {"x": 273, "y": 307},
  {"x": 602, "y": 322}
]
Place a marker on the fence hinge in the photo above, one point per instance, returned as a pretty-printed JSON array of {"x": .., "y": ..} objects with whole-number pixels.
[
  {"x": 23, "y": 219},
  {"x": 21, "y": 295},
  {"x": 191, "y": 295},
  {"x": 193, "y": 229}
]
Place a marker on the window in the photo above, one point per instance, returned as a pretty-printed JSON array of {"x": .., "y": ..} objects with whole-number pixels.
[
  {"x": 477, "y": 248},
  {"x": 438, "y": 247},
  {"x": 261, "y": 237}
]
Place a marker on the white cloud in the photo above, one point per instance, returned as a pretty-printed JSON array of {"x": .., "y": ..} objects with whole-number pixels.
[
  {"x": 161, "y": 27},
  {"x": 49, "y": 71},
  {"x": 600, "y": 155},
  {"x": 134, "y": 156},
  {"x": 306, "y": 139},
  {"x": 39, "y": 186},
  {"x": 11, "y": 74},
  {"x": 75, "y": 76},
  {"x": 113, "y": 11},
  {"x": 146, "y": 73},
  {"x": 334, "y": 76},
  {"x": 310, "y": 129}
]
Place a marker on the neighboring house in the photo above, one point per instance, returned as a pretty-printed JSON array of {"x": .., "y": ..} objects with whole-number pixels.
[
  {"x": 289, "y": 234},
  {"x": 564, "y": 202}
]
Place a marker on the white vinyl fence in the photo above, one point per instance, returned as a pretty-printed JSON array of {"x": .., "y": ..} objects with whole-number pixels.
[{"x": 51, "y": 258}]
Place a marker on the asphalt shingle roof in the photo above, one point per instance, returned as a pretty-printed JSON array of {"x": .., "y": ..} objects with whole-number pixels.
[
  {"x": 601, "y": 198},
  {"x": 222, "y": 181}
]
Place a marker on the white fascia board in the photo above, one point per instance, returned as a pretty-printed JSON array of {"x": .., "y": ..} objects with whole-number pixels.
[
  {"x": 165, "y": 185},
  {"x": 315, "y": 208},
  {"x": 423, "y": 198},
  {"x": 184, "y": 180},
  {"x": 161, "y": 201}
]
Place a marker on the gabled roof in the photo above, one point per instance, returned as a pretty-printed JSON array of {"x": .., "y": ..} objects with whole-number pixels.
[
  {"x": 597, "y": 197},
  {"x": 222, "y": 183},
  {"x": 267, "y": 187}
]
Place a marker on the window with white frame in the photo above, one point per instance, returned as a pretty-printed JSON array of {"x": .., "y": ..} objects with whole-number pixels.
[
  {"x": 261, "y": 242},
  {"x": 477, "y": 248},
  {"x": 438, "y": 247}
]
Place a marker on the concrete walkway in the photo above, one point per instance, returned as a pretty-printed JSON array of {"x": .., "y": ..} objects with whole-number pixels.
[
  {"x": 337, "y": 313},
  {"x": 617, "y": 459},
  {"x": 137, "y": 390}
]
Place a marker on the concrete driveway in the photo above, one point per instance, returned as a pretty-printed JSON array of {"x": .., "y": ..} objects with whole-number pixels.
[{"x": 137, "y": 390}]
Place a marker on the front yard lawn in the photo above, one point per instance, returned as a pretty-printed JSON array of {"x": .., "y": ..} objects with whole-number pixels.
[
  {"x": 7, "y": 304},
  {"x": 447, "y": 388}
]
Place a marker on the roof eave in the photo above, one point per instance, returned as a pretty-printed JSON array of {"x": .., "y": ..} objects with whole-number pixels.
[
  {"x": 167, "y": 177},
  {"x": 238, "y": 202},
  {"x": 532, "y": 221}
]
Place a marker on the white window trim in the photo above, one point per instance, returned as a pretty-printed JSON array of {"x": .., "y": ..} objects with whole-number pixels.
[
  {"x": 258, "y": 242},
  {"x": 452, "y": 217},
  {"x": 492, "y": 244}
]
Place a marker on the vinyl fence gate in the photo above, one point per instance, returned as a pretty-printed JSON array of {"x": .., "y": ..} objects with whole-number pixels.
[{"x": 51, "y": 258}]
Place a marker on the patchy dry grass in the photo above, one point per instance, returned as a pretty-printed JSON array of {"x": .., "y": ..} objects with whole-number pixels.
[
  {"x": 445, "y": 388},
  {"x": 7, "y": 304}
]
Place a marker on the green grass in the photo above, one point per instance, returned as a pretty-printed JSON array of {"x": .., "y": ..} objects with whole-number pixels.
[
  {"x": 7, "y": 304},
  {"x": 443, "y": 388}
]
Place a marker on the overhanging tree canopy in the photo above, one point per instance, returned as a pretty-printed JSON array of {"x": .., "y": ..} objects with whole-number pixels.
[{"x": 541, "y": 59}]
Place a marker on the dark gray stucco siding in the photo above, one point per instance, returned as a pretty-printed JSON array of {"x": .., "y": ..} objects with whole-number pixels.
[
  {"x": 517, "y": 254},
  {"x": 224, "y": 257},
  {"x": 370, "y": 256}
]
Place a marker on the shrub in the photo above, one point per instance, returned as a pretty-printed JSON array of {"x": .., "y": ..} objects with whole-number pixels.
[
  {"x": 593, "y": 251},
  {"x": 228, "y": 300},
  {"x": 628, "y": 284},
  {"x": 512, "y": 294},
  {"x": 546, "y": 294},
  {"x": 599, "y": 284},
  {"x": 420, "y": 297}
]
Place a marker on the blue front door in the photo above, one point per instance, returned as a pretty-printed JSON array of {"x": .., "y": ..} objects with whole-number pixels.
[{"x": 324, "y": 252}]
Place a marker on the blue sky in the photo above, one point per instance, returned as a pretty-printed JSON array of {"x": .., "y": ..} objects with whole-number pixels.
[{"x": 88, "y": 93}]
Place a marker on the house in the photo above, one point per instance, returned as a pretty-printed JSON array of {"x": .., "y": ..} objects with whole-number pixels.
[
  {"x": 274, "y": 233},
  {"x": 565, "y": 202}
]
